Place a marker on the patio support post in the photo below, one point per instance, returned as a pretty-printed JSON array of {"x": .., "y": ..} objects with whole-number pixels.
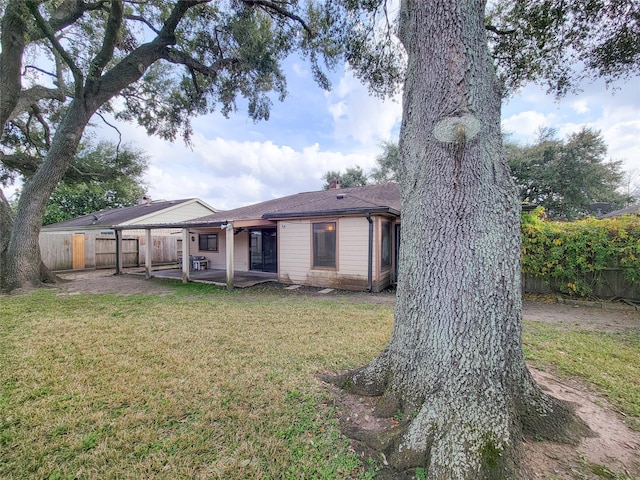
[
  {"x": 185, "y": 255},
  {"x": 229, "y": 248},
  {"x": 119, "y": 256},
  {"x": 147, "y": 259},
  {"x": 370, "y": 254}
]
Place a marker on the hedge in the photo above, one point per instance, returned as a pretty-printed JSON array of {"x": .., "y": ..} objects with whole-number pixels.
[{"x": 572, "y": 256}]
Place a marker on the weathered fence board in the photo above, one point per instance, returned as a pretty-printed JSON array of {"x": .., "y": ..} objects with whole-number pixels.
[
  {"x": 68, "y": 251},
  {"x": 608, "y": 285}
]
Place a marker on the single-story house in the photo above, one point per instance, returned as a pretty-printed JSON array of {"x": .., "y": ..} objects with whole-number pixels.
[
  {"x": 338, "y": 238},
  {"x": 89, "y": 241}
]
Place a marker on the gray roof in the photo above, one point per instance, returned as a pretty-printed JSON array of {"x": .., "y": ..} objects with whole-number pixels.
[
  {"x": 116, "y": 216},
  {"x": 383, "y": 198},
  {"x": 632, "y": 210}
]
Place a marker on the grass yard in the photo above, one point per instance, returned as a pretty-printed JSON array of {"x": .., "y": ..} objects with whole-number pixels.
[
  {"x": 182, "y": 386},
  {"x": 205, "y": 384},
  {"x": 610, "y": 362}
]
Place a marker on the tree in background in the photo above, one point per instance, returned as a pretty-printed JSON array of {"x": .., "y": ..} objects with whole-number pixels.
[
  {"x": 387, "y": 164},
  {"x": 566, "y": 176},
  {"x": 352, "y": 177},
  {"x": 385, "y": 171},
  {"x": 101, "y": 177}
]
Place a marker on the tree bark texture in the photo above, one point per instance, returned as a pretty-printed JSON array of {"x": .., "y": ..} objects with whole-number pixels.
[
  {"x": 20, "y": 259},
  {"x": 23, "y": 260},
  {"x": 454, "y": 365}
]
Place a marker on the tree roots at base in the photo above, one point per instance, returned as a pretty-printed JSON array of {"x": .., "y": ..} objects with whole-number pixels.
[{"x": 451, "y": 438}]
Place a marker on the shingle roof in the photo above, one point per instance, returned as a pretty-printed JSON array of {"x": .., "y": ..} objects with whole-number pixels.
[
  {"x": 116, "y": 216},
  {"x": 383, "y": 197},
  {"x": 632, "y": 210}
]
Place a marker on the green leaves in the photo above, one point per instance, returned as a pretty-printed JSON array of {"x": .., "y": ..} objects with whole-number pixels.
[
  {"x": 558, "y": 43},
  {"x": 573, "y": 256},
  {"x": 101, "y": 177},
  {"x": 566, "y": 176}
]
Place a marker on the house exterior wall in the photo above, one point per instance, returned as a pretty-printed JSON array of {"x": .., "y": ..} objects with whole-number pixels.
[
  {"x": 180, "y": 213},
  {"x": 219, "y": 259},
  {"x": 351, "y": 272},
  {"x": 295, "y": 253}
]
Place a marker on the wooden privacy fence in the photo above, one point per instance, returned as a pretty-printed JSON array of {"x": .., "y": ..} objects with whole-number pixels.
[
  {"x": 609, "y": 284},
  {"x": 77, "y": 251},
  {"x": 106, "y": 252}
]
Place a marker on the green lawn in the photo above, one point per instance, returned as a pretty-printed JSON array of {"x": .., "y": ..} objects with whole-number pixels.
[{"x": 201, "y": 383}]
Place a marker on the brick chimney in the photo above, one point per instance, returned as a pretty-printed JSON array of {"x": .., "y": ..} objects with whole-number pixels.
[{"x": 334, "y": 184}]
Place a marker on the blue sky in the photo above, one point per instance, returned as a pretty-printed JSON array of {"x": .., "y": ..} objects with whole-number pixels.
[{"x": 235, "y": 161}]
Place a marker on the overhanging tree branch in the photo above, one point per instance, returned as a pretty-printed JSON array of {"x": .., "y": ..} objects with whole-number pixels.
[
  {"x": 138, "y": 18},
  {"x": 48, "y": 32},
  {"x": 269, "y": 5},
  {"x": 181, "y": 58},
  {"x": 497, "y": 31},
  {"x": 33, "y": 95},
  {"x": 114, "y": 22}
]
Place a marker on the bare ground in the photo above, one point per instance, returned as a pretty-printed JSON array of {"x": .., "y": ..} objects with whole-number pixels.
[{"x": 614, "y": 453}]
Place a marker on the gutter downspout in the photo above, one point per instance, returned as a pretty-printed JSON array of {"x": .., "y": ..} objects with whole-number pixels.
[{"x": 370, "y": 254}]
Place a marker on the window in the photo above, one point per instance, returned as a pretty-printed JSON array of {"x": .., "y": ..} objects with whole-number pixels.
[
  {"x": 385, "y": 244},
  {"x": 208, "y": 242},
  {"x": 324, "y": 245}
]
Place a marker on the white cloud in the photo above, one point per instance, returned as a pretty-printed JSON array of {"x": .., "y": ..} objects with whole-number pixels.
[
  {"x": 229, "y": 173},
  {"x": 357, "y": 116},
  {"x": 581, "y": 106},
  {"x": 524, "y": 125},
  {"x": 300, "y": 70},
  {"x": 623, "y": 139}
]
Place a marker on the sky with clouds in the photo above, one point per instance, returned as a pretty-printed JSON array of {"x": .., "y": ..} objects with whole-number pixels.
[{"x": 235, "y": 162}]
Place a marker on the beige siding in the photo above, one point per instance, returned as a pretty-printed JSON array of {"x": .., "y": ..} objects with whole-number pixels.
[
  {"x": 352, "y": 250},
  {"x": 353, "y": 243},
  {"x": 219, "y": 259},
  {"x": 241, "y": 252},
  {"x": 294, "y": 250},
  {"x": 216, "y": 259},
  {"x": 180, "y": 213}
]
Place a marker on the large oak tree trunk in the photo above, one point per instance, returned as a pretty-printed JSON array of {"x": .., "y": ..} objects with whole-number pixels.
[
  {"x": 454, "y": 365},
  {"x": 21, "y": 261}
]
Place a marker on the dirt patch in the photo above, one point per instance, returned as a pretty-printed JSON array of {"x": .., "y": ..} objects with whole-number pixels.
[
  {"x": 606, "y": 317},
  {"x": 613, "y": 453},
  {"x": 105, "y": 281}
]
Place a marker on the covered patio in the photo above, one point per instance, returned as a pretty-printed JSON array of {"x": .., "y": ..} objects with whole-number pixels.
[{"x": 219, "y": 277}]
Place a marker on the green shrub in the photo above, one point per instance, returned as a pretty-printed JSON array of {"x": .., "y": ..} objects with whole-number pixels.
[{"x": 571, "y": 256}]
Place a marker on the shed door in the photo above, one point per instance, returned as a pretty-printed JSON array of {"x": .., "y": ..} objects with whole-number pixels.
[{"x": 77, "y": 249}]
